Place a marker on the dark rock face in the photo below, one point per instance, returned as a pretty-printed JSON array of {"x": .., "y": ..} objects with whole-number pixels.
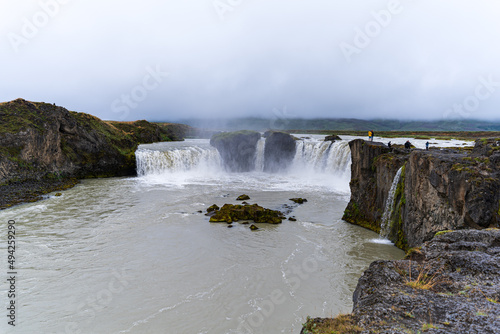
[
  {"x": 449, "y": 191},
  {"x": 237, "y": 149},
  {"x": 279, "y": 151},
  {"x": 42, "y": 143},
  {"x": 332, "y": 138},
  {"x": 438, "y": 190},
  {"x": 56, "y": 141},
  {"x": 373, "y": 168},
  {"x": 449, "y": 285}
]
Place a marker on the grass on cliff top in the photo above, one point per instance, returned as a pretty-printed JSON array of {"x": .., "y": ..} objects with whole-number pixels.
[
  {"x": 20, "y": 114},
  {"x": 341, "y": 324}
]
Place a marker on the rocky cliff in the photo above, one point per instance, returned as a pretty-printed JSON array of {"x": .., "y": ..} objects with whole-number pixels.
[
  {"x": 438, "y": 189},
  {"x": 449, "y": 285},
  {"x": 45, "y": 144},
  {"x": 237, "y": 149},
  {"x": 279, "y": 151}
]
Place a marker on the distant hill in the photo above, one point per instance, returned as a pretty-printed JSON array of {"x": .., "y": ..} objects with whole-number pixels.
[{"x": 342, "y": 124}]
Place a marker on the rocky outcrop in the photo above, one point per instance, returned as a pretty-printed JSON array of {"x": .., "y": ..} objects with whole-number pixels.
[
  {"x": 237, "y": 149},
  {"x": 373, "y": 168},
  {"x": 243, "y": 197},
  {"x": 438, "y": 190},
  {"x": 230, "y": 213},
  {"x": 446, "y": 191},
  {"x": 143, "y": 131},
  {"x": 41, "y": 143},
  {"x": 279, "y": 151},
  {"x": 332, "y": 138},
  {"x": 449, "y": 285}
]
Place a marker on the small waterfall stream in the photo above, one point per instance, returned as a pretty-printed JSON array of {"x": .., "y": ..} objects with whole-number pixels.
[
  {"x": 385, "y": 227},
  {"x": 259, "y": 155}
]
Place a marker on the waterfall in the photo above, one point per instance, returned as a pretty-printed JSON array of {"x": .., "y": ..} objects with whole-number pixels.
[
  {"x": 323, "y": 157},
  {"x": 259, "y": 155},
  {"x": 184, "y": 159},
  {"x": 385, "y": 227},
  {"x": 313, "y": 157}
]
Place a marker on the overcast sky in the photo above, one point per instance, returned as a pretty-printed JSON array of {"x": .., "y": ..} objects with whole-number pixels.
[{"x": 171, "y": 59}]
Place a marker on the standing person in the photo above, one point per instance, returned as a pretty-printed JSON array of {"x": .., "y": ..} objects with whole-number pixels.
[
  {"x": 370, "y": 135},
  {"x": 427, "y": 146},
  {"x": 373, "y": 134},
  {"x": 408, "y": 145}
]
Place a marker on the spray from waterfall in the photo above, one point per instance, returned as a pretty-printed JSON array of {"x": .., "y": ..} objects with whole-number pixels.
[
  {"x": 385, "y": 227},
  {"x": 316, "y": 162},
  {"x": 192, "y": 158},
  {"x": 323, "y": 157}
]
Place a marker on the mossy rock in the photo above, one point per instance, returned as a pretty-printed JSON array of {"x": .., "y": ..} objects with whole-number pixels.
[
  {"x": 298, "y": 200},
  {"x": 253, "y": 227},
  {"x": 213, "y": 208},
  {"x": 232, "y": 213},
  {"x": 243, "y": 197},
  {"x": 442, "y": 232}
]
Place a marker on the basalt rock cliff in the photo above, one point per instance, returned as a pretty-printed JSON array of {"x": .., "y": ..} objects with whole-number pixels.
[
  {"x": 279, "y": 151},
  {"x": 438, "y": 189},
  {"x": 237, "y": 149},
  {"x": 43, "y": 145},
  {"x": 449, "y": 285}
]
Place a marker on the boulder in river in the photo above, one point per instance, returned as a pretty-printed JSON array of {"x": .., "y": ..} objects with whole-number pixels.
[
  {"x": 298, "y": 200},
  {"x": 243, "y": 197},
  {"x": 232, "y": 213}
]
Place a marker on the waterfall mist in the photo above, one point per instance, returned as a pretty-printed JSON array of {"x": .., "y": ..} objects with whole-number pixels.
[{"x": 314, "y": 163}]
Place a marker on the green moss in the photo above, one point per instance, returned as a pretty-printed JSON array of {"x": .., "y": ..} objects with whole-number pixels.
[
  {"x": 232, "y": 213},
  {"x": 442, "y": 232},
  {"x": 343, "y": 323},
  {"x": 353, "y": 215}
]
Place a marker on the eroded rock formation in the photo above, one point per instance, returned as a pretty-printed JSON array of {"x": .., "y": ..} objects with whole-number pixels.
[
  {"x": 438, "y": 190},
  {"x": 279, "y": 151},
  {"x": 449, "y": 285},
  {"x": 237, "y": 149},
  {"x": 42, "y": 144}
]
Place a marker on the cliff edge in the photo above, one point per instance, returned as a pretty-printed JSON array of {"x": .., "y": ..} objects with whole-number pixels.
[
  {"x": 44, "y": 147},
  {"x": 437, "y": 190},
  {"x": 449, "y": 285}
]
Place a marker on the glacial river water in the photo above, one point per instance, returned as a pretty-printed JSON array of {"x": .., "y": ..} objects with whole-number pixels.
[{"x": 134, "y": 255}]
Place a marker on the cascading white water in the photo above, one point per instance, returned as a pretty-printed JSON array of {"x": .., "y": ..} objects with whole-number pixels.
[
  {"x": 385, "y": 227},
  {"x": 177, "y": 159},
  {"x": 259, "y": 155},
  {"x": 323, "y": 157},
  {"x": 313, "y": 157}
]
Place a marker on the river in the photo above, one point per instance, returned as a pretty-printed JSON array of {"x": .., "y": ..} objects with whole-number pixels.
[{"x": 135, "y": 255}]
